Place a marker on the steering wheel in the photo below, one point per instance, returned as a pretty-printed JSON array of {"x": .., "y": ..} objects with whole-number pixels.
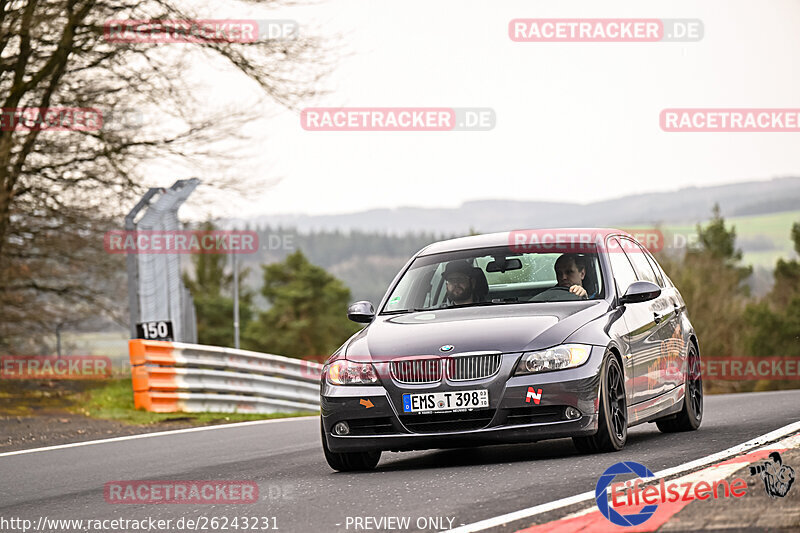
[{"x": 543, "y": 296}]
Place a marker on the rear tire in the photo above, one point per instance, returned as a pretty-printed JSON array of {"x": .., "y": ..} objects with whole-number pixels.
[
  {"x": 612, "y": 430},
  {"x": 348, "y": 461},
  {"x": 691, "y": 414}
]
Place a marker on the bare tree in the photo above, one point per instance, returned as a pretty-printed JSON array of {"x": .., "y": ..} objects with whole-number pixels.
[{"x": 60, "y": 190}]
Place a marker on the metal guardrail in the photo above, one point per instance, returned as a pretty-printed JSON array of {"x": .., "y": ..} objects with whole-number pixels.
[{"x": 177, "y": 377}]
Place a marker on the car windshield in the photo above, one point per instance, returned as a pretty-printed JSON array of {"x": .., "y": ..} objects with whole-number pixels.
[{"x": 495, "y": 276}]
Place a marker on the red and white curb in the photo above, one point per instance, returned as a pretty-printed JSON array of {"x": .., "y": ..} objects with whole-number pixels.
[
  {"x": 591, "y": 519},
  {"x": 722, "y": 464}
]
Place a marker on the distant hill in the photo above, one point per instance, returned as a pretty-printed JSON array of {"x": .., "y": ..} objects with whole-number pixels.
[
  {"x": 366, "y": 249},
  {"x": 691, "y": 205},
  {"x": 365, "y": 261}
]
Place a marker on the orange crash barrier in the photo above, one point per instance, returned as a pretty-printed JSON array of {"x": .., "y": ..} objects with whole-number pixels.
[{"x": 170, "y": 377}]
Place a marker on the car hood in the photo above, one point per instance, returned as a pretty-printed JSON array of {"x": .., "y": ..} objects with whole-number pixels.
[{"x": 504, "y": 328}]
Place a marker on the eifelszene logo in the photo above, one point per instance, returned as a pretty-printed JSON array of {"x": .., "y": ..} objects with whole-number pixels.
[{"x": 629, "y": 495}]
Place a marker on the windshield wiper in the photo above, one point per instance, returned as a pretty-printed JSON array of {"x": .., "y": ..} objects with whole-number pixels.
[{"x": 495, "y": 301}]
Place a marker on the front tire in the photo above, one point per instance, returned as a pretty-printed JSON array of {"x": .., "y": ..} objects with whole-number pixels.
[
  {"x": 612, "y": 431},
  {"x": 691, "y": 415},
  {"x": 348, "y": 461}
]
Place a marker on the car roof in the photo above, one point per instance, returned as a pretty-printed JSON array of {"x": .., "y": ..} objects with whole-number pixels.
[{"x": 505, "y": 238}]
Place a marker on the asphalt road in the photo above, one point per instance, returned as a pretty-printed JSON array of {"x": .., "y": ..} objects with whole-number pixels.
[{"x": 299, "y": 490}]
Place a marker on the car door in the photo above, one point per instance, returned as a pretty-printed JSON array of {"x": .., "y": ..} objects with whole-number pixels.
[
  {"x": 652, "y": 359},
  {"x": 636, "y": 319},
  {"x": 673, "y": 347}
]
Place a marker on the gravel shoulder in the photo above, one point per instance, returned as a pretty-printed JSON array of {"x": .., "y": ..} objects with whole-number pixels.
[
  {"x": 37, "y": 413},
  {"x": 60, "y": 427}
]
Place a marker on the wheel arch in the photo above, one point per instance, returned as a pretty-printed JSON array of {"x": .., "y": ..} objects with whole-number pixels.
[{"x": 617, "y": 354}]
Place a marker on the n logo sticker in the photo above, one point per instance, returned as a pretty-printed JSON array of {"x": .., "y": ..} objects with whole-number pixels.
[{"x": 536, "y": 395}]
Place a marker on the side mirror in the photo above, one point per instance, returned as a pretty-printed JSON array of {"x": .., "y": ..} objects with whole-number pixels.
[
  {"x": 362, "y": 312},
  {"x": 640, "y": 291}
]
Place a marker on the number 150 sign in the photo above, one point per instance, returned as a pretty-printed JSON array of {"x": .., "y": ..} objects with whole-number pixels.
[{"x": 155, "y": 331}]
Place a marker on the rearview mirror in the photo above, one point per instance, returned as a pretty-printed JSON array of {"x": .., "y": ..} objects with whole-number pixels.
[
  {"x": 640, "y": 291},
  {"x": 362, "y": 312},
  {"x": 505, "y": 265}
]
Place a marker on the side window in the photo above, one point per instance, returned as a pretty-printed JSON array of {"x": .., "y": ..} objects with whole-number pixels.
[
  {"x": 621, "y": 267},
  {"x": 657, "y": 270},
  {"x": 437, "y": 292},
  {"x": 639, "y": 261}
]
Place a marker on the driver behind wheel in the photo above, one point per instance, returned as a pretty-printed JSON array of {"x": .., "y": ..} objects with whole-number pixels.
[{"x": 570, "y": 271}]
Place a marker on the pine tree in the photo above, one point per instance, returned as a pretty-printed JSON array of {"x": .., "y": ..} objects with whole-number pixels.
[{"x": 308, "y": 313}]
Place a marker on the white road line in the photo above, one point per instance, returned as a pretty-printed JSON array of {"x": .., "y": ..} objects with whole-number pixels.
[
  {"x": 586, "y": 496},
  {"x": 155, "y": 434}
]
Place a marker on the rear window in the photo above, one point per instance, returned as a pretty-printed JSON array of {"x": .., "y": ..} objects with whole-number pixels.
[
  {"x": 624, "y": 274},
  {"x": 638, "y": 259}
]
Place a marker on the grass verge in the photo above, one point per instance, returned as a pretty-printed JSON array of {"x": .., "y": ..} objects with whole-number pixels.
[
  {"x": 110, "y": 399},
  {"x": 113, "y": 400}
]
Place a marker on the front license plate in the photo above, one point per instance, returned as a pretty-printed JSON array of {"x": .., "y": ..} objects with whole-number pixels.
[{"x": 446, "y": 401}]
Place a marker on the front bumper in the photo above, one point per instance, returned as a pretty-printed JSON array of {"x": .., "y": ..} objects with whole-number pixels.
[{"x": 376, "y": 420}]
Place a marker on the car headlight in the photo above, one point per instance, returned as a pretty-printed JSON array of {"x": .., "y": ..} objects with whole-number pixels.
[
  {"x": 343, "y": 372},
  {"x": 556, "y": 358}
]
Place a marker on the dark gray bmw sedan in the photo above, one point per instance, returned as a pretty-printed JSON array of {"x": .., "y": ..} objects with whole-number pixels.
[{"x": 514, "y": 337}]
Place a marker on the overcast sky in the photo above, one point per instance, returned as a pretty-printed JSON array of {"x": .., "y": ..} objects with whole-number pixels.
[{"x": 575, "y": 121}]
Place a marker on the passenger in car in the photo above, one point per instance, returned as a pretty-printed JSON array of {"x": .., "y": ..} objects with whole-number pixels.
[{"x": 459, "y": 283}]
